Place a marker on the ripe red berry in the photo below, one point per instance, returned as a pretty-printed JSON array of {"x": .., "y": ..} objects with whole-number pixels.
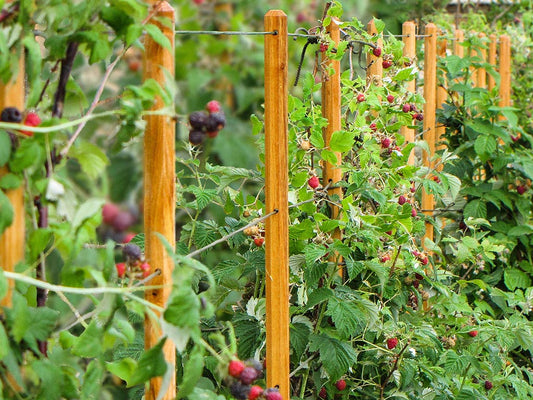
[
  {"x": 213, "y": 106},
  {"x": 436, "y": 179},
  {"x": 402, "y": 200},
  {"x": 385, "y": 142},
  {"x": 235, "y": 368},
  {"x": 389, "y": 233},
  {"x": 488, "y": 385},
  {"x": 521, "y": 189},
  {"x": 376, "y": 51},
  {"x": 473, "y": 333},
  {"x": 406, "y": 108},
  {"x": 384, "y": 258},
  {"x": 413, "y": 212},
  {"x": 273, "y": 394},
  {"x": 392, "y": 343},
  {"x": 313, "y": 182},
  {"x": 145, "y": 268},
  {"x": 412, "y": 189},
  {"x": 255, "y": 392},
  {"x": 323, "y": 47},
  {"x": 419, "y": 116},
  {"x": 373, "y": 127},
  {"x": 514, "y": 138},
  {"x": 128, "y": 237},
  {"x": 121, "y": 269},
  {"x": 424, "y": 260},
  {"x": 32, "y": 119},
  {"x": 109, "y": 212},
  {"x": 259, "y": 241},
  {"x": 390, "y": 98},
  {"x": 386, "y": 64},
  {"x": 323, "y": 393},
  {"x": 341, "y": 384},
  {"x": 360, "y": 97},
  {"x": 134, "y": 65}
]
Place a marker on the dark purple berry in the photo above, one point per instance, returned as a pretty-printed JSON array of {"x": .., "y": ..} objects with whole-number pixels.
[
  {"x": 239, "y": 391},
  {"x": 198, "y": 120},
  {"x": 131, "y": 252},
  {"x": 11, "y": 114},
  {"x": 248, "y": 375},
  {"x": 257, "y": 365},
  {"x": 123, "y": 221},
  {"x": 272, "y": 394},
  {"x": 215, "y": 122},
  {"x": 196, "y": 137}
]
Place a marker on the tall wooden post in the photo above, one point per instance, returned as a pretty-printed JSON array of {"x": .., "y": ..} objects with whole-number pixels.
[
  {"x": 13, "y": 239},
  {"x": 430, "y": 84},
  {"x": 409, "y": 50},
  {"x": 459, "y": 37},
  {"x": 493, "y": 44},
  {"x": 505, "y": 71},
  {"x": 374, "y": 71},
  {"x": 331, "y": 110},
  {"x": 276, "y": 193},
  {"x": 481, "y": 72},
  {"x": 159, "y": 190}
]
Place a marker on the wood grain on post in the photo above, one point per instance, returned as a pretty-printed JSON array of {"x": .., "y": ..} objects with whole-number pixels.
[
  {"x": 481, "y": 72},
  {"x": 374, "y": 71},
  {"x": 505, "y": 71},
  {"x": 409, "y": 50},
  {"x": 159, "y": 191},
  {"x": 331, "y": 110},
  {"x": 493, "y": 45},
  {"x": 459, "y": 37},
  {"x": 430, "y": 85},
  {"x": 13, "y": 239},
  {"x": 276, "y": 193}
]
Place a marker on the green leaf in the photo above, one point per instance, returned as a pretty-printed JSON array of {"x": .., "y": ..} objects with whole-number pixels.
[
  {"x": 192, "y": 372},
  {"x": 4, "y": 342},
  {"x": 329, "y": 156},
  {"x": 183, "y": 309},
  {"x": 3, "y": 284},
  {"x": 515, "y": 278},
  {"x": 380, "y": 25},
  {"x": 151, "y": 364},
  {"x": 10, "y": 181},
  {"x": 346, "y": 316},
  {"x": 336, "y": 356},
  {"x": 87, "y": 210},
  {"x": 92, "y": 381},
  {"x": 91, "y": 158},
  {"x": 341, "y": 141},
  {"x": 5, "y": 147},
  {"x": 475, "y": 209},
  {"x": 485, "y": 145},
  {"x": 122, "y": 368},
  {"x": 89, "y": 344},
  {"x": 257, "y": 124},
  {"x": 158, "y": 36},
  {"x": 299, "y": 338}
]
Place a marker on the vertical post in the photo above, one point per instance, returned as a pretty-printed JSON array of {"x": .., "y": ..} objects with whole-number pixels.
[
  {"x": 12, "y": 240},
  {"x": 409, "y": 50},
  {"x": 505, "y": 71},
  {"x": 481, "y": 72},
  {"x": 430, "y": 84},
  {"x": 331, "y": 110},
  {"x": 492, "y": 58},
  {"x": 276, "y": 193},
  {"x": 159, "y": 190},
  {"x": 374, "y": 72},
  {"x": 458, "y": 49}
]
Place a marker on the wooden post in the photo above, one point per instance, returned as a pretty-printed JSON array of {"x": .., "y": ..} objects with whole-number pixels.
[
  {"x": 331, "y": 110},
  {"x": 374, "y": 72},
  {"x": 481, "y": 72},
  {"x": 159, "y": 191},
  {"x": 458, "y": 49},
  {"x": 13, "y": 239},
  {"x": 430, "y": 84},
  {"x": 505, "y": 71},
  {"x": 276, "y": 193},
  {"x": 409, "y": 50},
  {"x": 492, "y": 58}
]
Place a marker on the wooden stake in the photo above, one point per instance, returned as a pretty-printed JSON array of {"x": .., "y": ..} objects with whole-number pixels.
[
  {"x": 492, "y": 59},
  {"x": 159, "y": 191},
  {"x": 430, "y": 84},
  {"x": 458, "y": 49},
  {"x": 331, "y": 110},
  {"x": 13, "y": 239},
  {"x": 481, "y": 72},
  {"x": 276, "y": 192},
  {"x": 505, "y": 71},
  {"x": 409, "y": 50},
  {"x": 374, "y": 71}
]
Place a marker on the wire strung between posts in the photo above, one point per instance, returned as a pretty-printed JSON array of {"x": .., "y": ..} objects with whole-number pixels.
[{"x": 229, "y": 33}]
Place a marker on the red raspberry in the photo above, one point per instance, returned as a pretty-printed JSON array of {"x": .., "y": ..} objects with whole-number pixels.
[
  {"x": 235, "y": 367},
  {"x": 259, "y": 241},
  {"x": 313, "y": 182},
  {"x": 109, "y": 212},
  {"x": 514, "y": 138},
  {"x": 392, "y": 343},
  {"x": 323, "y": 47},
  {"x": 473, "y": 333},
  {"x": 424, "y": 260},
  {"x": 128, "y": 237},
  {"x": 406, "y": 108},
  {"x": 419, "y": 116},
  {"x": 121, "y": 269},
  {"x": 384, "y": 258},
  {"x": 376, "y": 51},
  {"x": 488, "y": 385},
  {"x": 373, "y": 127},
  {"x": 145, "y": 267},
  {"x": 273, "y": 394},
  {"x": 385, "y": 142},
  {"x": 360, "y": 97},
  {"x": 418, "y": 276},
  {"x": 413, "y": 212},
  {"x": 323, "y": 393},
  {"x": 255, "y": 392},
  {"x": 402, "y": 200},
  {"x": 521, "y": 189},
  {"x": 32, "y": 119},
  {"x": 341, "y": 384},
  {"x": 390, "y": 98},
  {"x": 213, "y": 106},
  {"x": 386, "y": 64}
]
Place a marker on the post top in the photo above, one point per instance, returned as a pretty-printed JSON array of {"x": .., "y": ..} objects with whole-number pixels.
[{"x": 275, "y": 13}]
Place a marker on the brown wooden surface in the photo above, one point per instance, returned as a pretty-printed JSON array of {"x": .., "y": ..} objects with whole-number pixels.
[
  {"x": 505, "y": 71},
  {"x": 458, "y": 49},
  {"x": 159, "y": 192},
  {"x": 13, "y": 239},
  {"x": 493, "y": 45},
  {"x": 430, "y": 85},
  {"x": 374, "y": 70},
  {"x": 409, "y": 50},
  {"x": 481, "y": 72},
  {"x": 331, "y": 110},
  {"x": 276, "y": 192}
]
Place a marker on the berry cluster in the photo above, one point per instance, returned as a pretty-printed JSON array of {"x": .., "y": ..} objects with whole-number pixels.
[
  {"x": 340, "y": 385},
  {"x": 12, "y": 114},
  {"x": 242, "y": 375},
  {"x": 134, "y": 264},
  {"x": 206, "y": 123},
  {"x": 116, "y": 223},
  {"x": 257, "y": 233}
]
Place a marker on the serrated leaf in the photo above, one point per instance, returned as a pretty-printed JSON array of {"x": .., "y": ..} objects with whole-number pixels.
[
  {"x": 336, "y": 356},
  {"x": 151, "y": 364},
  {"x": 158, "y": 36},
  {"x": 515, "y": 278},
  {"x": 299, "y": 338},
  {"x": 92, "y": 381},
  {"x": 475, "y": 209},
  {"x": 91, "y": 158},
  {"x": 89, "y": 344},
  {"x": 6, "y": 212},
  {"x": 5, "y": 147},
  {"x": 485, "y": 145},
  {"x": 192, "y": 372},
  {"x": 341, "y": 141}
]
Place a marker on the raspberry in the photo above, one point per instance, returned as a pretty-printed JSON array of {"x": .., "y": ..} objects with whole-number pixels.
[
  {"x": 323, "y": 47},
  {"x": 313, "y": 182},
  {"x": 215, "y": 122},
  {"x": 235, "y": 367},
  {"x": 419, "y": 116},
  {"x": 196, "y": 137},
  {"x": 406, "y": 108},
  {"x": 198, "y": 2},
  {"x": 488, "y": 385},
  {"x": 145, "y": 267},
  {"x": 514, "y": 138},
  {"x": 521, "y": 189},
  {"x": 198, "y": 120},
  {"x": 259, "y": 241},
  {"x": 255, "y": 392},
  {"x": 132, "y": 253},
  {"x": 473, "y": 333},
  {"x": 385, "y": 142},
  {"x": 123, "y": 220},
  {"x": 248, "y": 375},
  {"x": 384, "y": 258},
  {"x": 424, "y": 260},
  {"x": 341, "y": 384},
  {"x": 413, "y": 212},
  {"x": 32, "y": 119},
  {"x": 402, "y": 200},
  {"x": 323, "y": 393},
  {"x": 373, "y": 127},
  {"x": 273, "y": 394},
  {"x": 109, "y": 212},
  {"x": 392, "y": 343},
  {"x": 11, "y": 114},
  {"x": 129, "y": 236},
  {"x": 386, "y": 64},
  {"x": 239, "y": 391},
  {"x": 390, "y": 98},
  {"x": 121, "y": 269},
  {"x": 360, "y": 97},
  {"x": 418, "y": 276},
  {"x": 257, "y": 365},
  {"x": 213, "y": 106},
  {"x": 376, "y": 51}
]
